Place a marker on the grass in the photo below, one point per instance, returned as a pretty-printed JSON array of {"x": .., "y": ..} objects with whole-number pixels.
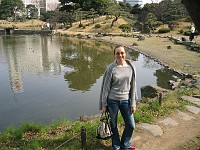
[
  {"x": 67, "y": 134},
  {"x": 30, "y": 24},
  {"x": 193, "y": 144}
]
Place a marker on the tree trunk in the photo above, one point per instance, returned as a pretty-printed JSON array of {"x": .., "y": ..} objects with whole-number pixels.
[
  {"x": 193, "y": 8},
  {"x": 114, "y": 20}
]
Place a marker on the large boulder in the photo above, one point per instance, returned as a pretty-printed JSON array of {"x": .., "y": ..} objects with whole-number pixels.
[{"x": 152, "y": 91}]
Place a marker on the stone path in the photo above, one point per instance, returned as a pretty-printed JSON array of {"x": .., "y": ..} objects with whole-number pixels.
[{"x": 158, "y": 136}]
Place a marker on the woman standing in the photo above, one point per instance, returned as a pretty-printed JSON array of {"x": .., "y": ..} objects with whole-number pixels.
[{"x": 118, "y": 93}]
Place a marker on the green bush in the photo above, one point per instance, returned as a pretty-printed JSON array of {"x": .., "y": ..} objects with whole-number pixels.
[
  {"x": 125, "y": 27},
  {"x": 187, "y": 33},
  {"x": 163, "y": 30},
  {"x": 97, "y": 26},
  {"x": 80, "y": 25},
  {"x": 138, "y": 26}
]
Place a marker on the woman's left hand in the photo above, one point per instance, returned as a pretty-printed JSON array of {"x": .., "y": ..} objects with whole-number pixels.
[{"x": 133, "y": 109}]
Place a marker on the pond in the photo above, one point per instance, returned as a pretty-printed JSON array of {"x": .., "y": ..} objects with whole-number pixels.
[{"x": 47, "y": 78}]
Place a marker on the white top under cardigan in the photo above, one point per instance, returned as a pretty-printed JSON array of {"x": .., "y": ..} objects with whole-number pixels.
[{"x": 106, "y": 85}]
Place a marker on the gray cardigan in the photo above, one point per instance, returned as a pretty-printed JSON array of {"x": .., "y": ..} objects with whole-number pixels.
[{"x": 106, "y": 85}]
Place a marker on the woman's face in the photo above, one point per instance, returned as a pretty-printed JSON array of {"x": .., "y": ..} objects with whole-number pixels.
[{"x": 120, "y": 54}]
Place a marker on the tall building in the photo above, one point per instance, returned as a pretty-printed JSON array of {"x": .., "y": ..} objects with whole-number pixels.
[{"x": 43, "y": 5}]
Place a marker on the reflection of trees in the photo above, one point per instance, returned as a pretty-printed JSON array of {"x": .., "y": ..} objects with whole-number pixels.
[
  {"x": 150, "y": 63},
  {"x": 133, "y": 55},
  {"x": 88, "y": 62}
]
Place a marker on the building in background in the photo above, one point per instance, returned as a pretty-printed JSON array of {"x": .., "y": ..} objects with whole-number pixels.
[
  {"x": 134, "y": 2},
  {"x": 139, "y": 2},
  {"x": 43, "y": 5}
]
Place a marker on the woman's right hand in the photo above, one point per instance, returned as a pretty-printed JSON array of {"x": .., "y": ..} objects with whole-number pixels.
[{"x": 104, "y": 109}]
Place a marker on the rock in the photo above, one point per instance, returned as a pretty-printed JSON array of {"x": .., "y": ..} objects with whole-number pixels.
[
  {"x": 99, "y": 35},
  {"x": 169, "y": 47},
  {"x": 152, "y": 91},
  {"x": 134, "y": 44},
  {"x": 141, "y": 38},
  {"x": 193, "y": 109},
  {"x": 191, "y": 99},
  {"x": 169, "y": 121},
  {"x": 84, "y": 118},
  {"x": 154, "y": 129},
  {"x": 185, "y": 116}
]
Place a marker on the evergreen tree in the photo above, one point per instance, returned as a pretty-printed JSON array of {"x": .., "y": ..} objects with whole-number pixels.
[{"x": 10, "y": 9}]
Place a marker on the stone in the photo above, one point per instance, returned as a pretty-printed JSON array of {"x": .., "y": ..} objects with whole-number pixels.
[
  {"x": 191, "y": 99},
  {"x": 193, "y": 109},
  {"x": 169, "y": 121},
  {"x": 152, "y": 91},
  {"x": 154, "y": 129},
  {"x": 185, "y": 116}
]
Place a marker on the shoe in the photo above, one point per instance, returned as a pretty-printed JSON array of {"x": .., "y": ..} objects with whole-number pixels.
[{"x": 130, "y": 147}]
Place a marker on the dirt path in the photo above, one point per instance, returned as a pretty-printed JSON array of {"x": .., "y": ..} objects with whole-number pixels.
[{"x": 173, "y": 136}]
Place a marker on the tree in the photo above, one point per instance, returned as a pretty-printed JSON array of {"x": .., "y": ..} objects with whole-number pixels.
[
  {"x": 125, "y": 6},
  {"x": 85, "y": 5},
  {"x": 71, "y": 5},
  {"x": 10, "y": 8},
  {"x": 31, "y": 12},
  {"x": 135, "y": 9},
  {"x": 97, "y": 5},
  {"x": 92, "y": 14}
]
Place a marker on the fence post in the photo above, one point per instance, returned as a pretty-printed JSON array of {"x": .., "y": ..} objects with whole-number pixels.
[
  {"x": 83, "y": 138},
  {"x": 160, "y": 99}
]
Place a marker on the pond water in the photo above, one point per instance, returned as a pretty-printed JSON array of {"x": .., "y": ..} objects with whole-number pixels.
[{"x": 47, "y": 78}]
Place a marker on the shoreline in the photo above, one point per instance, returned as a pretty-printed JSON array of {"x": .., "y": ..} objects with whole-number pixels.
[{"x": 178, "y": 58}]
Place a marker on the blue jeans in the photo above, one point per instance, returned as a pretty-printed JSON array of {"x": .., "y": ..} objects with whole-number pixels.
[{"x": 113, "y": 108}]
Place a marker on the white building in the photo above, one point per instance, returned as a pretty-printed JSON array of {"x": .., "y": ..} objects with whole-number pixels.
[
  {"x": 45, "y": 5},
  {"x": 140, "y": 2}
]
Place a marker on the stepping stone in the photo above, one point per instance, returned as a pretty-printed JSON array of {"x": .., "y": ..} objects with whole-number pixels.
[
  {"x": 154, "y": 129},
  {"x": 191, "y": 99},
  {"x": 193, "y": 109},
  {"x": 185, "y": 116},
  {"x": 169, "y": 121}
]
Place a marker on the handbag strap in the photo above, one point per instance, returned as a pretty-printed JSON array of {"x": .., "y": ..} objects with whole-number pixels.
[{"x": 105, "y": 115}]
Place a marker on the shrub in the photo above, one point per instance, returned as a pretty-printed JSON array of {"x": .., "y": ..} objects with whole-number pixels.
[
  {"x": 125, "y": 27},
  {"x": 163, "y": 30},
  {"x": 187, "y": 33},
  {"x": 80, "y": 25},
  {"x": 97, "y": 26},
  {"x": 172, "y": 25},
  {"x": 138, "y": 26}
]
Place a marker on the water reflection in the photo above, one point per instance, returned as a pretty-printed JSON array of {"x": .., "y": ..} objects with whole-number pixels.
[
  {"x": 43, "y": 78},
  {"x": 27, "y": 55},
  {"x": 87, "y": 63}
]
